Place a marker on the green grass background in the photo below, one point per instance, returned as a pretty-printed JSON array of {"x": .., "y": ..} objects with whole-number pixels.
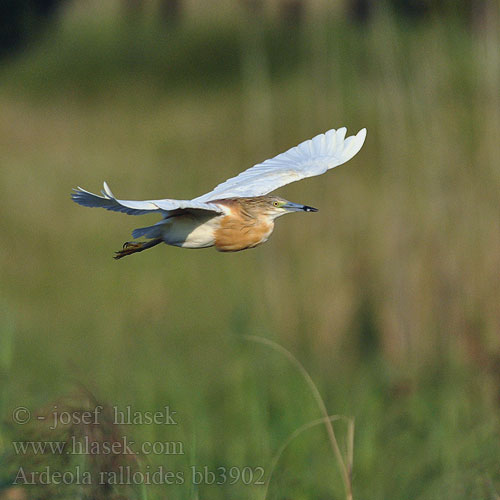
[{"x": 388, "y": 296}]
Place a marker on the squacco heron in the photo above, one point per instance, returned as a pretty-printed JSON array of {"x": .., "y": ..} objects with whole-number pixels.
[{"x": 239, "y": 213}]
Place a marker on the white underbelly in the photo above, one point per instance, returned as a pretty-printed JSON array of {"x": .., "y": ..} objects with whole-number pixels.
[{"x": 188, "y": 231}]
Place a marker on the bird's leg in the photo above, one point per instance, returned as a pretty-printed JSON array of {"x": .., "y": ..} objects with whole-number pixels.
[{"x": 130, "y": 247}]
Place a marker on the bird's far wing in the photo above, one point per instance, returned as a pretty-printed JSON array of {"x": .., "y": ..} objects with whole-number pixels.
[
  {"x": 109, "y": 202},
  {"x": 312, "y": 157}
]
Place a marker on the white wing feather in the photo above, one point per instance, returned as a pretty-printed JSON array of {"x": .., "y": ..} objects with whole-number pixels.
[
  {"x": 310, "y": 158},
  {"x": 109, "y": 202}
]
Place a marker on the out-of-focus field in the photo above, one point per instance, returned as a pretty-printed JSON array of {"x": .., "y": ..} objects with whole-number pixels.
[{"x": 389, "y": 296}]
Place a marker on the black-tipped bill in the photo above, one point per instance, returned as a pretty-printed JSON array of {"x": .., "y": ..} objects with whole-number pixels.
[
  {"x": 307, "y": 208},
  {"x": 297, "y": 207}
]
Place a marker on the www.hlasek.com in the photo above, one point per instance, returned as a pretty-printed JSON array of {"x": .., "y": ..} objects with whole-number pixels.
[
  {"x": 126, "y": 475},
  {"x": 86, "y": 446}
]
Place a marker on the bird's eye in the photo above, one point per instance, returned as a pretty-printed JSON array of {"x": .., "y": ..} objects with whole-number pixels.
[{"x": 276, "y": 204}]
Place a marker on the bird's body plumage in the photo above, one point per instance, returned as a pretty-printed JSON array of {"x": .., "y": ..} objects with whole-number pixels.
[
  {"x": 241, "y": 225},
  {"x": 237, "y": 214},
  {"x": 190, "y": 230},
  {"x": 246, "y": 226}
]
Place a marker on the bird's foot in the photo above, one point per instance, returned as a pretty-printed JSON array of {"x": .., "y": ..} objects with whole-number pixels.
[{"x": 129, "y": 247}]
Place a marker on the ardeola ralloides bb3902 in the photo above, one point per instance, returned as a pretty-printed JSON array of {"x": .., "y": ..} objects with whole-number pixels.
[{"x": 238, "y": 213}]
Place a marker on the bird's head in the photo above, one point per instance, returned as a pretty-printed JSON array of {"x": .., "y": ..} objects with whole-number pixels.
[{"x": 274, "y": 206}]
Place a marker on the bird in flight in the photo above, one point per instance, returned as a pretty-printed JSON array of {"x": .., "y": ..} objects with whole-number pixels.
[{"x": 239, "y": 213}]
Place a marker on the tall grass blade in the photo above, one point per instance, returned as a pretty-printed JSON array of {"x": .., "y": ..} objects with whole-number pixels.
[{"x": 346, "y": 476}]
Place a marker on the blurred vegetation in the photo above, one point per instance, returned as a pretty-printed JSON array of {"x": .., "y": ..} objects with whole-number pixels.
[
  {"x": 22, "y": 21},
  {"x": 389, "y": 296}
]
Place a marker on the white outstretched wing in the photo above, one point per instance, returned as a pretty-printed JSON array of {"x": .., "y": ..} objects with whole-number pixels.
[
  {"x": 313, "y": 157},
  {"x": 109, "y": 202}
]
